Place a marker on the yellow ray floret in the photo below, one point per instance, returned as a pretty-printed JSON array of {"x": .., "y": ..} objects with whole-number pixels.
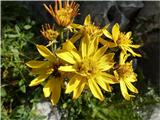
[
  {"x": 126, "y": 76},
  {"x": 47, "y": 69},
  {"x": 87, "y": 28},
  {"x": 63, "y": 14},
  {"x": 122, "y": 40},
  {"x": 88, "y": 67}
]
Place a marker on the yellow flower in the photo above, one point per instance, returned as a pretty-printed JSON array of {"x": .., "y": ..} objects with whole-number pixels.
[
  {"x": 126, "y": 75},
  {"x": 122, "y": 40},
  {"x": 49, "y": 33},
  {"x": 63, "y": 15},
  {"x": 47, "y": 69},
  {"x": 88, "y": 67},
  {"x": 87, "y": 28}
]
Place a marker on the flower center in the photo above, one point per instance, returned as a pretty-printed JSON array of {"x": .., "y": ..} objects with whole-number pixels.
[
  {"x": 51, "y": 34},
  {"x": 125, "y": 70},
  {"x": 91, "y": 30},
  {"x": 65, "y": 13},
  {"x": 56, "y": 72},
  {"x": 87, "y": 67},
  {"x": 123, "y": 39}
]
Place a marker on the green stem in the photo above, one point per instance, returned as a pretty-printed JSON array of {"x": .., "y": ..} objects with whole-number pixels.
[
  {"x": 67, "y": 34},
  {"x": 53, "y": 47},
  {"x": 62, "y": 37}
]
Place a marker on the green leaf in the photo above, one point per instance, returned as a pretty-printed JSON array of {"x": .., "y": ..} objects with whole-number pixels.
[
  {"x": 22, "y": 85},
  {"x": 27, "y": 27},
  {"x": 3, "y": 92}
]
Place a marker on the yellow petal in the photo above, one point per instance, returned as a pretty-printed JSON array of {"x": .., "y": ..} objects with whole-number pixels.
[
  {"x": 107, "y": 58},
  {"x": 128, "y": 34},
  {"x": 75, "y": 37},
  {"x": 76, "y": 55},
  {"x": 67, "y": 68},
  {"x": 37, "y": 64},
  {"x": 106, "y": 26},
  {"x": 47, "y": 89},
  {"x": 124, "y": 90},
  {"x": 77, "y": 91},
  {"x": 68, "y": 45},
  {"x": 73, "y": 83},
  {"x": 56, "y": 91},
  {"x": 84, "y": 45},
  {"x": 106, "y": 62},
  {"x": 42, "y": 70},
  {"x": 132, "y": 78},
  {"x": 115, "y": 32},
  {"x": 66, "y": 56},
  {"x": 107, "y": 34},
  {"x": 45, "y": 52},
  {"x": 103, "y": 84},
  {"x": 38, "y": 80},
  {"x": 133, "y": 53},
  {"x": 123, "y": 57},
  {"x": 78, "y": 26},
  {"x": 107, "y": 43},
  {"x": 135, "y": 46},
  {"x": 87, "y": 20},
  {"x": 100, "y": 52},
  {"x": 130, "y": 86},
  {"x": 95, "y": 89},
  {"x": 107, "y": 78},
  {"x": 91, "y": 48},
  {"x": 116, "y": 74}
]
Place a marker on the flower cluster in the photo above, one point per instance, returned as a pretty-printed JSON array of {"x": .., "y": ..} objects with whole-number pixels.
[{"x": 86, "y": 66}]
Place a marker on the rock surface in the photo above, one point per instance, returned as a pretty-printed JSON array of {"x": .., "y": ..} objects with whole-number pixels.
[{"x": 45, "y": 109}]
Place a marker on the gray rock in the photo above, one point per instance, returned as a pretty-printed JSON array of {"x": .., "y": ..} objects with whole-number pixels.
[
  {"x": 156, "y": 113},
  {"x": 150, "y": 9},
  {"x": 45, "y": 109}
]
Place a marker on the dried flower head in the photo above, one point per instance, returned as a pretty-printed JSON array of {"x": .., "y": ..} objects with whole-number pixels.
[
  {"x": 63, "y": 13},
  {"x": 49, "y": 33}
]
